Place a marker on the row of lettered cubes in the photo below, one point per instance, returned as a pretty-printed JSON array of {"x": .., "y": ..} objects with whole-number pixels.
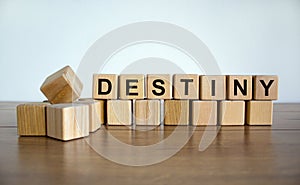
[
  {"x": 185, "y": 86},
  {"x": 74, "y": 120}
]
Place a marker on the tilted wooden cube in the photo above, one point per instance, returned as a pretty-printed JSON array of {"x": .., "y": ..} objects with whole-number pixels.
[
  {"x": 67, "y": 121},
  {"x": 204, "y": 112},
  {"x": 31, "y": 118},
  {"x": 62, "y": 87},
  {"x": 96, "y": 112},
  {"x": 259, "y": 112},
  {"x": 147, "y": 112},
  {"x": 176, "y": 112},
  {"x": 232, "y": 112}
]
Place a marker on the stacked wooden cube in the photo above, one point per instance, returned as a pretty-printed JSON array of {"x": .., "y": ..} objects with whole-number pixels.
[
  {"x": 181, "y": 99},
  {"x": 188, "y": 99},
  {"x": 63, "y": 116}
]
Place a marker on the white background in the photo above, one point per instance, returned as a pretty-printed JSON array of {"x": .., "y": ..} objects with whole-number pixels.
[{"x": 246, "y": 37}]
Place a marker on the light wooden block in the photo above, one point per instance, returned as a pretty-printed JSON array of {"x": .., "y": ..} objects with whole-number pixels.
[
  {"x": 232, "y": 112},
  {"x": 67, "y": 121},
  {"x": 265, "y": 87},
  {"x": 176, "y": 112},
  {"x": 259, "y": 112},
  {"x": 204, "y": 112},
  {"x": 62, "y": 87},
  {"x": 159, "y": 86},
  {"x": 239, "y": 87},
  {"x": 119, "y": 112},
  {"x": 213, "y": 87},
  {"x": 105, "y": 86},
  {"x": 186, "y": 86},
  {"x": 131, "y": 86},
  {"x": 96, "y": 112},
  {"x": 31, "y": 118},
  {"x": 147, "y": 112}
]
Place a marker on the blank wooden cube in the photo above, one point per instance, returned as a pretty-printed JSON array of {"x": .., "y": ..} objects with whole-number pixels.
[
  {"x": 119, "y": 112},
  {"x": 186, "y": 86},
  {"x": 67, "y": 121},
  {"x": 232, "y": 112},
  {"x": 239, "y": 87},
  {"x": 213, "y": 87},
  {"x": 259, "y": 112},
  {"x": 31, "y": 118},
  {"x": 132, "y": 86},
  {"x": 159, "y": 86},
  {"x": 105, "y": 86},
  {"x": 62, "y": 87},
  {"x": 96, "y": 113},
  {"x": 265, "y": 87},
  {"x": 176, "y": 112},
  {"x": 147, "y": 112},
  {"x": 204, "y": 113}
]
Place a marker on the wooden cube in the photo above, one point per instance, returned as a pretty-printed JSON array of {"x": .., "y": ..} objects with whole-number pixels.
[
  {"x": 62, "y": 87},
  {"x": 67, "y": 121},
  {"x": 239, "y": 87},
  {"x": 265, "y": 87},
  {"x": 105, "y": 86},
  {"x": 213, "y": 87},
  {"x": 147, "y": 112},
  {"x": 232, "y": 112},
  {"x": 176, "y": 112},
  {"x": 119, "y": 112},
  {"x": 31, "y": 118},
  {"x": 186, "y": 86},
  {"x": 204, "y": 113},
  {"x": 132, "y": 86},
  {"x": 96, "y": 112},
  {"x": 259, "y": 112},
  {"x": 159, "y": 86}
]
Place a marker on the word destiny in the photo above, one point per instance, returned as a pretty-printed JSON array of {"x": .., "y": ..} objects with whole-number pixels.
[{"x": 185, "y": 86}]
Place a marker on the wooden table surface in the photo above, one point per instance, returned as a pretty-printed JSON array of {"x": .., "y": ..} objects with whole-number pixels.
[{"x": 238, "y": 155}]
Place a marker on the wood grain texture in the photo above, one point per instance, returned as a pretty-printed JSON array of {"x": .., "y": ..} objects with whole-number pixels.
[
  {"x": 119, "y": 112},
  {"x": 244, "y": 155},
  {"x": 176, "y": 112},
  {"x": 96, "y": 112},
  {"x": 161, "y": 80},
  {"x": 283, "y": 112},
  {"x": 147, "y": 112},
  {"x": 135, "y": 84},
  {"x": 259, "y": 112},
  {"x": 67, "y": 121},
  {"x": 204, "y": 112},
  {"x": 245, "y": 82},
  {"x": 62, "y": 86},
  {"x": 265, "y": 87},
  {"x": 107, "y": 88},
  {"x": 31, "y": 118},
  {"x": 232, "y": 112},
  {"x": 186, "y": 86},
  {"x": 236, "y": 156},
  {"x": 213, "y": 87}
]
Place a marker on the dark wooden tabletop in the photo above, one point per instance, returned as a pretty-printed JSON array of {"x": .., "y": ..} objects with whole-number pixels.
[{"x": 238, "y": 155}]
